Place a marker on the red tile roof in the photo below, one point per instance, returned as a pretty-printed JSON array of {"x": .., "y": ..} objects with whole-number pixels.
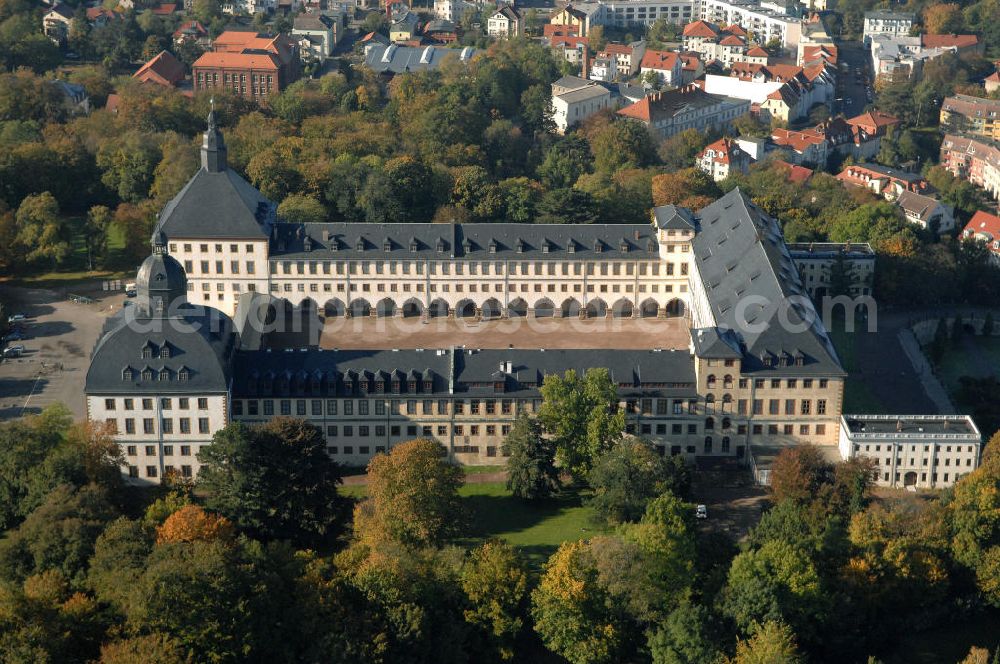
[
  {"x": 615, "y": 49},
  {"x": 691, "y": 61},
  {"x": 735, "y": 30},
  {"x": 165, "y": 9},
  {"x": 758, "y": 52},
  {"x": 723, "y": 148},
  {"x": 191, "y": 27},
  {"x": 732, "y": 40},
  {"x": 799, "y": 141},
  {"x": 94, "y": 13},
  {"x": 873, "y": 121},
  {"x": 795, "y": 173},
  {"x": 238, "y": 61},
  {"x": 659, "y": 60},
  {"x": 984, "y": 225},
  {"x": 948, "y": 41},
  {"x": 552, "y": 30},
  {"x": 163, "y": 69},
  {"x": 700, "y": 29}
]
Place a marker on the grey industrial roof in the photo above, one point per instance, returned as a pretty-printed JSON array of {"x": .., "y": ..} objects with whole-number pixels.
[
  {"x": 217, "y": 205},
  {"x": 399, "y": 59},
  {"x": 200, "y": 340},
  {"x": 313, "y": 372},
  {"x": 584, "y": 93},
  {"x": 752, "y": 284},
  {"x": 471, "y": 241},
  {"x": 800, "y": 250}
]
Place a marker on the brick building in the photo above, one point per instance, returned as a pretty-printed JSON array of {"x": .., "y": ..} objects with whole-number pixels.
[{"x": 250, "y": 64}]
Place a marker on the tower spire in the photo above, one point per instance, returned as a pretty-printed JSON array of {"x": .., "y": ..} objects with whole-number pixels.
[{"x": 213, "y": 147}]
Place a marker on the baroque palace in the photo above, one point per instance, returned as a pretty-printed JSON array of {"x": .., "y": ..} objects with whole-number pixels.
[{"x": 759, "y": 371}]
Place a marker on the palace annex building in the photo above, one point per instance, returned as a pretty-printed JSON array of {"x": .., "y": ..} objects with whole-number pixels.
[{"x": 757, "y": 371}]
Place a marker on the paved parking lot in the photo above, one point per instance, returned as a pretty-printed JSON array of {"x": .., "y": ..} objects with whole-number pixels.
[{"x": 60, "y": 336}]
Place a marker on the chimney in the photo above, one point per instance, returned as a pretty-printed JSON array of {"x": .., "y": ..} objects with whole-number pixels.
[
  {"x": 637, "y": 234},
  {"x": 899, "y": 426}
]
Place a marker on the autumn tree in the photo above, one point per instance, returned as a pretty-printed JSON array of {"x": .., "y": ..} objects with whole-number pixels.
[
  {"x": 155, "y": 648},
  {"x": 581, "y": 415},
  {"x": 689, "y": 187},
  {"x": 191, "y": 523},
  {"x": 943, "y": 19},
  {"x": 531, "y": 470},
  {"x": 301, "y": 209},
  {"x": 495, "y": 581},
  {"x": 798, "y": 472},
  {"x": 41, "y": 230},
  {"x": 412, "y": 497},
  {"x": 274, "y": 481},
  {"x": 773, "y": 643}
]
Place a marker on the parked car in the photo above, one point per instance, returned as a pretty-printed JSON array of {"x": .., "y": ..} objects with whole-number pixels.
[
  {"x": 13, "y": 351},
  {"x": 16, "y": 318},
  {"x": 16, "y": 335},
  {"x": 701, "y": 512}
]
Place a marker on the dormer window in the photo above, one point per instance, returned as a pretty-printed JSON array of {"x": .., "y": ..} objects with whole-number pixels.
[
  {"x": 127, "y": 373},
  {"x": 413, "y": 244},
  {"x": 624, "y": 247},
  {"x": 765, "y": 358},
  {"x": 395, "y": 387},
  {"x": 428, "y": 386},
  {"x": 520, "y": 246},
  {"x": 493, "y": 246},
  {"x": 165, "y": 351},
  {"x": 545, "y": 247},
  {"x": 411, "y": 386},
  {"x": 334, "y": 244},
  {"x": 147, "y": 374},
  {"x": 183, "y": 374},
  {"x": 440, "y": 245},
  {"x": 598, "y": 247},
  {"x": 651, "y": 246},
  {"x": 164, "y": 374},
  {"x": 380, "y": 386},
  {"x": 147, "y": 351},
  {"x": 360, "y": 245},
  {"x": 571, "y": 247},
  {"x": 307, "y": 244},
  {"x": 467, "y": 246},
  {"x": 387, "y": 245},
  {"x": 498, "y": 386}
]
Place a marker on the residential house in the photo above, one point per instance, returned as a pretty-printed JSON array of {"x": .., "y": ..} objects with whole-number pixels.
[
  {"x": 807, "y": 146},
  {"x": 395, "y": 59},
  {"x": 926, "y": 211},
  {"x": 253, "y": 65},
  {"x": 575, "y": 99},
  {"x": 985, "y": 227},
  {"x": 813, "y": 55},
  {"x": 795, "y": 173},
  {"x": 722, "y": 158},
  {"x": 961, "y": 44},
  {"x": 580, "y": 15},
  {"x": 440, "y": 31},
  {"x": 688, "y": 107},
  {"x": 74, "y": 97},
  {"x": 100, "y": 16},
  {"x": 667, "y": 66},
  {"x": 726, "y": 45},
  {"x": 976, "y": 160},
  {"x": 318, "y": 34},
  {"x": 692, "y": 68},
  {"x": 886, "y": 182},
  {"x": 886, "y": 22},
  {"x": 404, "y": 28},
  {"x": 570, "y": 47},
  {"x": 505, "y": 23},
  {"x": 626, "y": 59},
  {"x": 192, "y": 32},
  {"x": 56, "y": 22},
  {"x": 452, "y": 10},
  {"x": 783, "y": 92},
  {"x": 163, "y": 69},
  {"x": 902, "y": 58},
  {"x": 992, "y": 82},
  {"x": 814, "y": 37},
  {"x": 971, "y": 115}
]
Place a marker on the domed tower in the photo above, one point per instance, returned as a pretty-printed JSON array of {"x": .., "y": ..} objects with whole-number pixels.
[{"x": 161, "y": 283}]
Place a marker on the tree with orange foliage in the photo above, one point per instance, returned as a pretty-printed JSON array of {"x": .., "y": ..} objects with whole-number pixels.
[
  {"x": 193, "y": 524},
  {"x": 943, "y": 19},
  {"x": 688, "y": 187}
]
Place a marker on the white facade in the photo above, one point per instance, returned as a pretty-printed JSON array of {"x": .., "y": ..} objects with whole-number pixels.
[
  {"x": 765, "y": 24},
  {"x": 219, "y": 271},
  {"x": 920, "y": 451},
  {"x": 451, "y": 10},
  {"x": 625, "y": 13},
  {"x": 504, "y": 23},
  {"x": 160, "y": 434},
  {"x": 883, "y": 22}
]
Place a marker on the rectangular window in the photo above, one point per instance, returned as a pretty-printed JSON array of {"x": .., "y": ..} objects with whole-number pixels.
[
  {"x": 806, "y": 406},
  {"x": 147, "y": 425},
  {"x": 202, "y": 425},
  {"x": 202, "y": 403},
  {"x": 109, "y": 404},
  {"x": 773, "y": 406},
  {"x": 167, "y": 425},
  {"x": 185, "y": 424}
]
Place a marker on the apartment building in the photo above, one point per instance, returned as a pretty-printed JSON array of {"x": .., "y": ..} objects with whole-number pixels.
[
  {"x": 628, "y": 13},
  {"x": 688, "y": 107},
  {"x": 886, "y": 22},
  {"x": 971, "y": 115},
  {"x": 575, "y": 99},
  {"x": 918, "y": 451},
  {"x": 765, "y": 24},
  {"x": 249, "y": 64},
  {"x": 889, "y": 183},
  {"x": 976, "y": 160}
]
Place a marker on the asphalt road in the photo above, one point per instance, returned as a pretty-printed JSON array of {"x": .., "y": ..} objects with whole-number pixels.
[{"x": 849, "y": 87}]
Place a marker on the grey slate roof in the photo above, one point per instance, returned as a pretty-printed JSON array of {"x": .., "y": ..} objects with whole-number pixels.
[
  {"x": 472, "y": 241},
  {"x": 200, "y": 340},
  {"x": 217, "y": 205},
  {"x": 454, "y": 371},
  {"x": 673, "y": 217},
  {"x": 397, "y": 59},
  {"x": 742, "y": 259},
  {"x": 923, "y": 207}
]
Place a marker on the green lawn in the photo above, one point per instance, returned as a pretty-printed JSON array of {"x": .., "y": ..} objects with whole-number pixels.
[
  {"x": 948, "y": 644},
  {"x": 961, "y": 361},
  {"x": 858, "y": 398},
  {"x": 536, "y": 529}
]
